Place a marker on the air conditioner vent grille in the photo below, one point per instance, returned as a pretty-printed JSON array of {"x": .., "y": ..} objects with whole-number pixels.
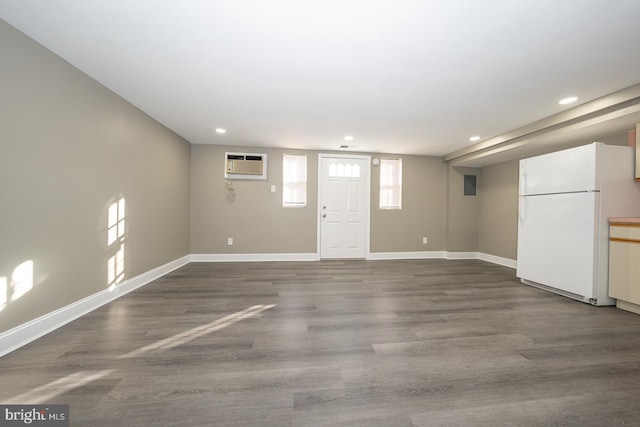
[{"x": 245, "y": 166}]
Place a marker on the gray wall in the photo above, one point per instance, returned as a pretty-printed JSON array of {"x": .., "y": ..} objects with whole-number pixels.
[
  {"x": 69, "y": 147},
  {"x": 462, "y": 211},
  {"x": 255, "y": 220},
  {"x": 259, "y": 224},
  {"x": 433, "y": 205},
  {"x": 498, "y": 213},
  {"x": 423, "y": 207}
]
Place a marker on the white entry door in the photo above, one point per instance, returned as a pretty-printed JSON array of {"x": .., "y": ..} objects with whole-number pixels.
[{"x": 343, "y": 206}]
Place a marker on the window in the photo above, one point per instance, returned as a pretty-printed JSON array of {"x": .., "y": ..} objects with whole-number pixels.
[
  {"x": 294, "y": 180},
  {"x": 390, "y": 183},
  {"x": 341, "y": 170}
]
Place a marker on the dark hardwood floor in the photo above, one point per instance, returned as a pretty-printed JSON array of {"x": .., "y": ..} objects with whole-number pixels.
[{"x": 357, "y": 343}]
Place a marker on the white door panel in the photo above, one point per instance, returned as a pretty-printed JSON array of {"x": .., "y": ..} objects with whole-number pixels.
[
  {"x": 353, "y": 238},
  {"x": 560, "y": 172},
  {"x": 343, "y": 206},
  {"x": 332, "y": 234},
  {"x": 556, "y": 235},
  {"x": 334, "y": 196},
  {"x": 353, "y": 197}
]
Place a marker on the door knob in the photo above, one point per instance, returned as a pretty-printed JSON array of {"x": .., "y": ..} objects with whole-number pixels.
[{"x": 324, "y": 215}]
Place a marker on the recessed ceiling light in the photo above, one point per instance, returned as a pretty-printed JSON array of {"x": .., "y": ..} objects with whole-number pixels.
[
  {"x": 348, "y": 138},
  {"x": 220, "y": 130},
  {"x": 474, "y": 138},
  {"x": 568, "y": 100}
]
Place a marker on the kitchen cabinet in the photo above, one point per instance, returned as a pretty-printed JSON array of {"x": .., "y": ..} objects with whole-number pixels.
[
  {"x": 637, "y": 145},
  {"x": 624, "y": 263}
]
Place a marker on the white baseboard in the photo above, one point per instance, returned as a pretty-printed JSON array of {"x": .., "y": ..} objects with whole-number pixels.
[
  {"x": 22, "y": 335},
  {"x": 461, "y": 255},
  {"x": 406, "y": 255},
  {"x": 506, "y": 262},
  {"x": 443, "y": 255},
  {"x": 252, "y": 257},
  {"x": 372, "y": 256},
  {"x": 494, "y": 259}
]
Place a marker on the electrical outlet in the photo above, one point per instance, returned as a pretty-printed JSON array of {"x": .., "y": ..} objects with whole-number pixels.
[
  {"x": 229, "y": 241},
  {"x": 424, "y": 240}
]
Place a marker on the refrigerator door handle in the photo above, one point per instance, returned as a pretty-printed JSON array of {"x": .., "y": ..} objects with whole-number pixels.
[
  {"x": 521, "y": 207},
  {"x": 523, "y": 178}
]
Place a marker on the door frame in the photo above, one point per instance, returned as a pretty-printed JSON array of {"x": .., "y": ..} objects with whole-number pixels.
[{"x": 367, "y": 184}]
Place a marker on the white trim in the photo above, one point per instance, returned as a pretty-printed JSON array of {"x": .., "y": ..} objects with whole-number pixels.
[
  {"x": 461, "y": 255},
  {"x": 407, "y": 255},
  {"x": 23, "y": 334},
  {"x": 252, "y": 257},
  {"x": 506, "y": 262}
]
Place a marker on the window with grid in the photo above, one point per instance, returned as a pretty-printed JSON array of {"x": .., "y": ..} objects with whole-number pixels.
[
  {"x": 390, "y": 183},
  {"x": 294, "y": 180}
]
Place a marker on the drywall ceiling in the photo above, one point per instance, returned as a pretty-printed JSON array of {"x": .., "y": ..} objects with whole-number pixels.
[{"x": 408, "y": 77}]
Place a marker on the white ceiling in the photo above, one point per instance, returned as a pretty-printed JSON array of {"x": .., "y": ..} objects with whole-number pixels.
[{"x": 401, "y": 76}]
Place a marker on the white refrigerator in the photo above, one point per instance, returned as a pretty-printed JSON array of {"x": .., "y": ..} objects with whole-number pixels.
[{"x": 565, "y": 200}]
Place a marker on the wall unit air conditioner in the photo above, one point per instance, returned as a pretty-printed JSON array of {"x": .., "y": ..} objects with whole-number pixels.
[{"x": 245, "y": 166}]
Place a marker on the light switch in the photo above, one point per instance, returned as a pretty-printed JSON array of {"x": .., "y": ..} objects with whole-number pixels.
[{"x": 273, "y": 188}]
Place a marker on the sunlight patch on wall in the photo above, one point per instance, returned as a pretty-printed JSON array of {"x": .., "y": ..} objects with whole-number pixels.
[
  {"x": 116, "y": 221},
  {"x": 21, "y": 280},
  {"x": 115, "y": 268},
  {"x": 116, "y": 234},
  {"x": 20, "y": 284},
  {"x": 4, "y": 292}
]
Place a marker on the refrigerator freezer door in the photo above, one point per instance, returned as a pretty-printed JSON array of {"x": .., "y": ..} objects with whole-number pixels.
[
  {"x": 560, "y": 172},
  {"x": 556, "y": 238}
]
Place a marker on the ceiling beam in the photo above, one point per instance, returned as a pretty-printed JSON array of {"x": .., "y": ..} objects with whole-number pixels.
[{"x": 618, "y": 104}]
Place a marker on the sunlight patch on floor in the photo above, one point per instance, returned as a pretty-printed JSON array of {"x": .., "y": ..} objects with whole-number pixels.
[
  {"x": 47, "y": 392},
  {"x": 190, "y": 335}
]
